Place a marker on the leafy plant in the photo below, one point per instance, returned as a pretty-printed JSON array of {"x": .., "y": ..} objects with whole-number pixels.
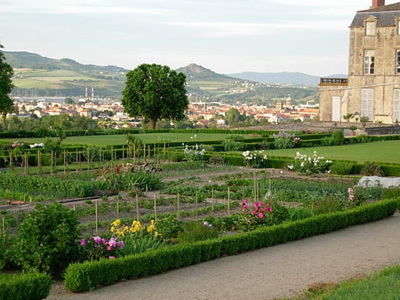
[
  {"x": 232, "y": 145},
  {"x": 341, "y": 168},
  {"x": 337, "y": 137},
  {"x": 371, "y": 169},
  {"x": 196, "y": 231},
  {"x": 255, "y": 159},
  {"x": 310, "y": 164},
  {"x": 47, "y": 239},
  {"x": 135, "y": 245}
]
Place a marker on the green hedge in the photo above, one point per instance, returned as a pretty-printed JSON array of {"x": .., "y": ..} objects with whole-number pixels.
[
  {"x": 30, "y": 286},
  {"x": 82, "y": 277}
]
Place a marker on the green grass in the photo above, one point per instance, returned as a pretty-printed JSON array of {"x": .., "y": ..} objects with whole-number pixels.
[
  {"x": 386, "y": 151},
  {"x": 104, "y": 140},
  {"x": 384, "y": 285}
]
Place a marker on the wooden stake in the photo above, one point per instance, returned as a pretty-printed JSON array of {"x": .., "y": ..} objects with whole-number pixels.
[
  {"x": 147, "y": 190},
  {"x": 144, "y": 152},
  {"x": 97, "y": 216},
  {"x": 229, "y": 201},
  {"x": 26, "y": 163},
  {"x": 11, "y": 160},
  {"x": 4, "y": 225},
  {"x": 197, "y": 201},
  {"x": 134, "y": 153},
  {"x": 212, "y": 202},
  {"x": 148, "y": 153},
  {"x": 137, "y": 208},
  {"x": 165, "y": 144},
  {"x": 177, "y": 207},
  {"x": 155, "y": 207},
  {"x": 77, "y": 159},
  {"x": 88, "y": 158},
  {"x": 65, "y": 162},
  {"x": 39, "y": 162},
  {"x": 255, "y": 188},
  {"x": 117, "y": 208},
  {"x": 52, "y": 162}
]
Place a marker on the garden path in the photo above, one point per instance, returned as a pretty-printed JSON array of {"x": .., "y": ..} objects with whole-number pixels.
[{"x": 274, "y": 272}]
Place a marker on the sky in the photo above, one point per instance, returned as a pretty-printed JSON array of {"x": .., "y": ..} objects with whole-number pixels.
[{"x": 226, "y": 36}]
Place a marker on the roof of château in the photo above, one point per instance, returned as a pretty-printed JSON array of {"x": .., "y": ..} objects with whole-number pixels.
[{"x": 390, "y": 7}]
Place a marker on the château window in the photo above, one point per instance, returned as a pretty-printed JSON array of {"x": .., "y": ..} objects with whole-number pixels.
[
  {"x": 398, "y": 62},
  {"x": 369, "y": 62},
  {"x": 370, "y": 28}
]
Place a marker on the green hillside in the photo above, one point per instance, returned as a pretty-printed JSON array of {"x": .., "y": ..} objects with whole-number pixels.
[{"x": 66, "y": 77}]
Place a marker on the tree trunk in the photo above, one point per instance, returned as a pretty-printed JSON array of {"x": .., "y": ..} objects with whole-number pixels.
[{"x": 152, "y": 123}]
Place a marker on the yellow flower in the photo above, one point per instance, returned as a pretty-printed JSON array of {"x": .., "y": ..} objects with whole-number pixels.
[
  {"x": 116, "y": 223},
  {"x": 156, "y": 234},
  {"x": 126, "y": 228},
  {"x": 150, "y": 228},
  {"x": 152, "y": 222}
]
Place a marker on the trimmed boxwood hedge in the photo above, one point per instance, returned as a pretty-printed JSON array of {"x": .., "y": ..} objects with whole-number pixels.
[
  {"x": 30, "y": 286},
  {"x": 86, "y": 276}
]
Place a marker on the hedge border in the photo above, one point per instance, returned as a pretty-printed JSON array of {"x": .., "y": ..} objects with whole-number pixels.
[
  {"x": 86, "y": 276},
  {"x": 29, "y": 286}
]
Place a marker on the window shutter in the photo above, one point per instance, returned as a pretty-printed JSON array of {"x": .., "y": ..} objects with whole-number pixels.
[
  {"x": 396, "y": 105},
  {"x": 367, "y": 103}
]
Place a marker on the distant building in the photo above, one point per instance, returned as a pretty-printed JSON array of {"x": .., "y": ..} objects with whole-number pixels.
[{"x": 373, "y": 86}]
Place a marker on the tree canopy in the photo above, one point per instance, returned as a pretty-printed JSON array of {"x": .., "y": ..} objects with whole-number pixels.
[
  {"x": 6, "y": 85},
  {"x": 155, "y": 92}
]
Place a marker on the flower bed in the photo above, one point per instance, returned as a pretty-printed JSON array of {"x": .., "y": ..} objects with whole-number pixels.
[{"x": 86, "y": 276}]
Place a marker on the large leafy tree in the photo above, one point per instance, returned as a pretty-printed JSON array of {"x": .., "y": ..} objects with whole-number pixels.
[
  {"x": 6, "y": 85},
  {"x": 155, "y": 92}
]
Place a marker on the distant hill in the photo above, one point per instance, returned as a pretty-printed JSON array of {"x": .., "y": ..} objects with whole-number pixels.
[
  {"x": 43, "y": 76},
  {"x": 62, "y": 77},
  {"x": 283, "y": 78}
]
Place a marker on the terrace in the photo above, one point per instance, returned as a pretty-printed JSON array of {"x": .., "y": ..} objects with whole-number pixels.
[{"x": 333, "y": 82}]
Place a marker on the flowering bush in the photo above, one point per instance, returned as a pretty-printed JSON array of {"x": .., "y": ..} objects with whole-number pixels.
[
  {"x": 310, "y": 164},
  {"x": 136, "y": 229},
  {"x": 255, "y": 159},
  {"x": 255, "y": 215},
  {"x": 194, "y": 153},
  {"x": 94, "y": 248},
  {"x": 358, "y": 195}
]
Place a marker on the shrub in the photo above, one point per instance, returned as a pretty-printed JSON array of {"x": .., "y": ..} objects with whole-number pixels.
[
  {"x": 196, "y": 231},
  {"x": 176, "y": 157},
  {"x": 338, "y": 137},
  {"x": 371, "y": 169},
  {"x": 217, "y": 160},
  {"x": 341, "y": 168},
  {"x": 304, "y": 164},
  {"x": 194, "y": 153},
  {"x": 390, "y": 193},
  {"x": 232, "y": 145},
  {"x": 29, "y": 286},
  {"x": 264, "y": 145},
  {"x": 362, "y": 138},
  {"x": 47, "y": 239},
  {"x": 168, "y": 228},
  {"x": 4, "y": 243},
  {"x": 86, "y": 276}
]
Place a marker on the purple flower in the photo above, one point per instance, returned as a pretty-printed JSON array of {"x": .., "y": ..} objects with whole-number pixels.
[
  {"x": 120, "y": 244},
  {"x": 98, "y": 240},
  {"x": 112, "y": 242},
  {"x": 83, "y": 242}
]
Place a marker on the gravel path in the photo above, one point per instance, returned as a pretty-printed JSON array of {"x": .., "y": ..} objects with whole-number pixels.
[{"x": 268, "y": 273}]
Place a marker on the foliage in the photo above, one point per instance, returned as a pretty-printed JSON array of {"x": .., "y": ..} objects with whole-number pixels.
[
  {"x": 89, "y": 275},
  {"x": 134, "y": 245},
  {"x": 155, "y": 92},
  {"x": 310, "y": 164},
  {"x": 371, "y": 169},
  {"x": 232, "y": 145},
  {"x": 6, "y": 85},
  {"x": 390, "y": 193},
  {"x": 52, "y": 144},
  {"x": 28, "y": 286},
  {"x": 168, "y": 228},
  {"x": 217, "y": 160},
  {"x": 4, "y": 244},
  {"x": 255, "y": 159},
  {"x": 47, "y": 239},
  {"x": 341, "y": 168},
  {"x": 338, "y": 137},
  {"x": 135, "y": 143},
  {"x": 196, "y": 231}
]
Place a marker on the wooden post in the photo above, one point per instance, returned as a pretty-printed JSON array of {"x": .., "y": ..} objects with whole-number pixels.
[
  {"x": 144, "y": 152},
  {"x": 177, "y": 207},
  {"x": 147, "y": 190},
  {"x": 165, "y": 144},
  {"x": 26, "y": 163},
  {"x": 65, "y": 162},
  {"x": 148, "y": 152},
  {"x": 137, "y": 207},
  {"x": 77, "y": 159},
  {"x": 134, "y": 153},
  {"x": 39, "y": 162},
  {"x": 97, "y": 216},
  {"x": 117, "y": 208},
  {"x": 197, "y": 201},
  {"x": 52, "y": 162},
  {"x": 4, "y": 225},
  {"x": 88, "y": 157},
  {"x": 212, "y": 202},
  {"x": 112, "y": 156},
  {"x": 74, "y": 207},
  {"x": 255, "y": 188},
  {"x": 11, "y": 160},
  {"x": 123, "y": 152},
  {"x": 229, "y": 201},
  {"x": 155, "y": 207}
]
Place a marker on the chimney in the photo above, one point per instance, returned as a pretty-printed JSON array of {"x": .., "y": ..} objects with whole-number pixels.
[{"x": 377, "y": 3}]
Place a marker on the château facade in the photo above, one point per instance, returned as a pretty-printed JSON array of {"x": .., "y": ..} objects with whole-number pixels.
[{"x": 372, "y": 88}]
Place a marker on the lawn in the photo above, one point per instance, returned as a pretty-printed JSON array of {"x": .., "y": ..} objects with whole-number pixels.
[
  {"x": 103, "y": 140},
  {"x": 386, "y": 151}
]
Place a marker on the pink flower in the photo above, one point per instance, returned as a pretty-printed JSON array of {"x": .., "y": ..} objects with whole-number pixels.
[
  {"x": 350, "y": 190},
  {"x": 255, "y": 205},
  {"x": 120, "y": 244},
  {"x": 261, "y": 215},
  {"x": 245, "y": 207},
  {"x": 111, "y": 257},
  {"x": 83, "y": 242},
  {"x": 109, "y": 248},
  {"x": 112, "y": 242},
  {"x": 97, "y": 240},
  {"x": 254, "y": 212},
  {"x": 351, "y": 197}
]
